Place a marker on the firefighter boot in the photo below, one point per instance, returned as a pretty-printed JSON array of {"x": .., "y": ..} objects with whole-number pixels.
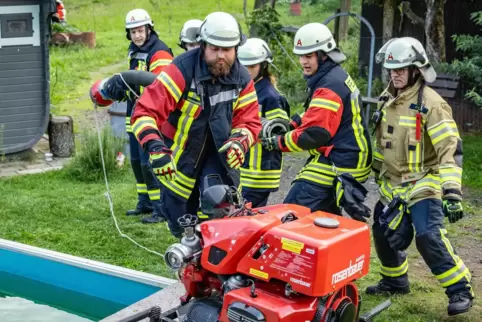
[
  {"x": 157, "y": 216},
  {"x": 399, "y": 285},
  {"x": 459, "y": 303}
]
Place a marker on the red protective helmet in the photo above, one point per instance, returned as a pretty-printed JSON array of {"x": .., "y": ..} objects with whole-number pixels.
[{"x": 96, "y": 94}]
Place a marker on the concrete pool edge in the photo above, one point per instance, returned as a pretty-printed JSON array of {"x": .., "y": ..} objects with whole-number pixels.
[{"x": 84, "y": 263}]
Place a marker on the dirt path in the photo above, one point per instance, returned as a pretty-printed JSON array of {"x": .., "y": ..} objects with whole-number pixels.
[{"x": 465, "y": 240}]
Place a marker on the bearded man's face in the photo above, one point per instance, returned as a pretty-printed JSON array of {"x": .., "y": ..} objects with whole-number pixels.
[{"x": 219, "y": 59}]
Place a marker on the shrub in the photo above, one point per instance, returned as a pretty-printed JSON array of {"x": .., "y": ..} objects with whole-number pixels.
[{"x": 87, "y": 163}]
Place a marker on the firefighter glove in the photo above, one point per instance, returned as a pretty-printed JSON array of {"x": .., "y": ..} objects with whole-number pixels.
[
  {"x": 160, "y": 157},
  {"x": 350, "y": 195},
  {"x": 115, "y": 88},
  {"x": 270, "y": 144},
  {"x": 453, "y": 209},
  {"x": 235, "y": 148}
]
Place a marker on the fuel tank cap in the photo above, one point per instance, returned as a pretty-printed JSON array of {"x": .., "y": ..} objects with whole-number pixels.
[{"x": 327, "y": 222}]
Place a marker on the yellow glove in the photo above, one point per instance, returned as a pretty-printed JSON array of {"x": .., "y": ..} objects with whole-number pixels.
[
  {"x": 161, "y": 161},
  {"x": 235, "y": 149}
]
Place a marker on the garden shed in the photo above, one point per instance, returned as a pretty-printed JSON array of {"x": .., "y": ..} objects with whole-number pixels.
[{"x": 24, "y": 72}]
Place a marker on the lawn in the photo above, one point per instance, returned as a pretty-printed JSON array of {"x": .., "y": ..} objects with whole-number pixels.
[{"x": 55, "y": 211}]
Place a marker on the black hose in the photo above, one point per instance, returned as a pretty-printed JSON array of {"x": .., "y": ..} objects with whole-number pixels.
[{"x": 138, "y": 78}]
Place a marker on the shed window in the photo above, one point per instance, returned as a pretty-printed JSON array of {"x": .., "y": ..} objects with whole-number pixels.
[{"x": 16, "y": 25}]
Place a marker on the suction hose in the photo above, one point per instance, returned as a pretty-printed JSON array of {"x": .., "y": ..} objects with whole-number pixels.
[
  {"x": 273, "y": 127},
  {"x": 104, "y": 92}
]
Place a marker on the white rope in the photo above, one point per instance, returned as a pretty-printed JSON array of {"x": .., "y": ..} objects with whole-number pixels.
[{"x": 107, "y": 194}]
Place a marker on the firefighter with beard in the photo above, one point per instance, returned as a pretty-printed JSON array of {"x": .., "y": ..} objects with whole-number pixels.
[
  {"x": 148, "y": 53},
  {"x": 261, "y": 171},
  {"x": 418, "y": 163},
  {"x": 331, "y": 128},
  {"x": 199, "y": 118}
]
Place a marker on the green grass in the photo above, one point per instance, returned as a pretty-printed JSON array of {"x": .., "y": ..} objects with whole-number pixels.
[
  {"x": 55, "y": 212},
  {"x": 472, "y": 149},
  {"x": 73, "y": 69}
]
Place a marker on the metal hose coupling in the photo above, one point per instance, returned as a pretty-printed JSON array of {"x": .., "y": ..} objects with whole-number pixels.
[{"x": 273, "y": 127}]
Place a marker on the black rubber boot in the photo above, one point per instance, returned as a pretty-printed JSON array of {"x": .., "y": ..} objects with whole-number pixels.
[
  {"x": 157, "y": 216},
  {"x": 388, "y": 287},
  {"x": 459, "y": 303},
  {"x": 141, "y": 208}
]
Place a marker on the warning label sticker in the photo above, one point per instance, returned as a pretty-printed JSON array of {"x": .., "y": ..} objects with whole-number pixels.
[
  {"x": 257, "y": 273},
  {"x": 292, "y": 245}
]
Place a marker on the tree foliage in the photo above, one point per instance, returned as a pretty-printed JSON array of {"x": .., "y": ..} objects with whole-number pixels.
[{"x": 470, "y": 67}]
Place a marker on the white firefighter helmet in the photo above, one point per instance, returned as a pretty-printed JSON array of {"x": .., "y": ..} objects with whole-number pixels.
[
  {"x": 189, "y": 31},
  {"x": 254, "y": 51},
  {"x": 221, "y": 29},
  {"x": 314, "y": 37},
  {"x": 138, "y": 17},
  {"x": 404, "y": 52}
]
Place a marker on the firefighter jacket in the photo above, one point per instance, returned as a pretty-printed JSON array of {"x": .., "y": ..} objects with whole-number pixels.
[
  {"x": 418, "y": 153},
  {"x": 262, "y": 168},
  {"x": 198, "y": 109},
  {"x": 153, "y": 56},
  {"x": 332, "y": 109}
]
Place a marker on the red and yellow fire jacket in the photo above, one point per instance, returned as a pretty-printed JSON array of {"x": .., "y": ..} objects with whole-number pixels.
[
  {"x": 331, "y": 129},
  {"x": 189, "y": 110}
]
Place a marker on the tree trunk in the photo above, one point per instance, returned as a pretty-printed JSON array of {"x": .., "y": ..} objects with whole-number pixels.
[
  {"x": 435, "y": 31},
  {"x": 61, "y": 136},
  {"x": 388, "y": 18},
  {"x": 245, "y": 9},
  {"x": 272, "y": 3},
  {"x": 259, "y": 3},
  {"x": 345, "y": 6}
]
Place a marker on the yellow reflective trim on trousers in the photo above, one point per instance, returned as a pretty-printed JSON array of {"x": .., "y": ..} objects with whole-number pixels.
[
  {"x": 255, "y": 155},
  {"x": 201, "y": 215},
  {"x": 277, "y": 113},
  {"x": 358, "y": 131},
  {"x": 141, "y": 123},
  {"x": 184, "y": 124},
  {"x": 457, "y": 272},
  {"x": 450, "y": 174},
  {"x": 394, "y": 271},
  {"x": 170, "y": 85},
  {"x": 154, "y": 194},
  {"x": 325, "y": 104},
  {"x": 409, "y": 121},
  {"x": 128, "y": 124},
  {"x": 414, "y": 159},
  {"x": 141, "y": 188},
  {"x": 443, "y": 130},
  {"x": 290, "y": 143},
  {"x": 245, "y": 100}
]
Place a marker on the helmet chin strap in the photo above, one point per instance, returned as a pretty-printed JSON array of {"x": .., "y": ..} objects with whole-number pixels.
[{"x": 412, "y": 77}]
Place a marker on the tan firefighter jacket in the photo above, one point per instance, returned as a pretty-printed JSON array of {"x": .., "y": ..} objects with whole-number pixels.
[{"x": 417, "y": 167}]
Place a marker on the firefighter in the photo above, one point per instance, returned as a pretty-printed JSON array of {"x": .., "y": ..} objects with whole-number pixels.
[
  {"x": 331, "y": 128},
  {"x": 261, "y": 171},
  {"x": 146, "y": 52},
  {"x": 418, "y": 164},
  {"x": 189, "y": 33},
  {"x": 199, "y": 118}
]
